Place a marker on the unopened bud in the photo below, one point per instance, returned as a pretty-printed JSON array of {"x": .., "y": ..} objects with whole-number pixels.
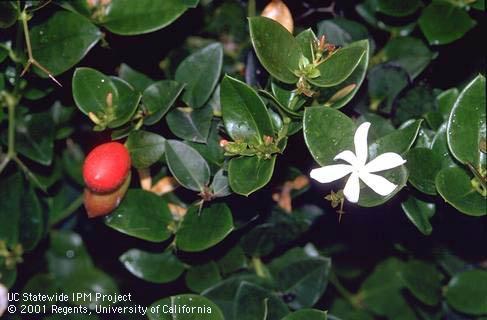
[{"x": 223, "y": 143}]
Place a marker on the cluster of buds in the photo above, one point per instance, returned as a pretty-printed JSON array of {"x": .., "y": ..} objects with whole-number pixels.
[
  {"x": 101, "y": 120},
  {"x": 11, "y": 257},
  {"x": 264, "y": 150},
  {"x": 321, "y": 47},
  {"x": 99, "y": 9}
]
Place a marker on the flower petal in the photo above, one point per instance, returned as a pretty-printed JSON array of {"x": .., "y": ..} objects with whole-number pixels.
[
  {"x": 330, "y": 173},
  {"x": 360, "y": 141},
  {"x": 352, "y": 188},
  {"x": 347, "y": 156},
  {"x": 385, "y": 161},
  {"x": 377, "y": 183}
]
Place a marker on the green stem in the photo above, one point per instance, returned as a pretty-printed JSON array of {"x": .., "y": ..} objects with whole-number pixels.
[
  {"x": 251, "y": 8},
  {"x": 69, "y": 210},
  {"x": 259, "y": 267}
]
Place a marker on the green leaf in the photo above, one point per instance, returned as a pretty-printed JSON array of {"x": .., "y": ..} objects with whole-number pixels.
[
  {"x": 399, "y": 141},
  {"x": 128, "y": 100},
  {"x": 91, "y": 90},
  {"x": 306, "y": 40},
  {"x": 254, "y": 302},
  {"x": 62, "y": 41},
  {"x": 327, "y": 132},
  {"x": 149, "y": 222},
  {"x": 248, "y": 174},
  {"x": 31, "y": 219},
  {"x": 399, "y": 8},
  {"x": 379, "y": 127},
  {"x": 190, "y": 124},
  {"x": 419, "y": 213},
  {"x": 335, "y": 69},
  {"x": 158, "y": 99},
  {"x": 34, "y": 137},
  {"x": 385, "y": 82},
  {"x": 381, "y": 291},
  {"x": 446, "y": 100},
  {"x": 137, "y": 79},
  {"x": 435, "y": 22},
  {"x": 335, "y": 96},
  {"x": 423, "y": 165},
  {"x": 423, "y": 280},
  {"x": 306, "y": 314},
  {"x": 187, "y": 165},
  {"x": 244, "y": 113},
  {"x": 466, "y": 292},
  {"x": 202, "y": 277},
  {"x": 10, "y": 196},
  {"x": 341, "y": 31},
  {"x": 153, "y": 267},
  {"x": 408, "y": 52},
  {"x": 454, "y": 185},
  {"x": 439, "y": 145},
  {"x": 200, "y": 72},
  {"x": 8, "y": 14},
  {"x": 202, "y": 230},
  {"x": 276, "y": 48},
  {"x": 466, "y": 125},
  {"x": 168, "y": 308},
  {"x": 146, "y": 148},
  {"x": 232, "y": 261},
  {"x": 305, "y": 279},
  {"x": 126, "y": 17},
  {"x": 220, "y": 185},
  {"x": 211, "y": 151},
  {"x": 415, "y": 103}
]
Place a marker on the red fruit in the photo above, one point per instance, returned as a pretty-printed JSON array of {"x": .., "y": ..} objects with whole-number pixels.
[
  {"x": 100, "y": 204},
  {"x": 106, "y": 167}
]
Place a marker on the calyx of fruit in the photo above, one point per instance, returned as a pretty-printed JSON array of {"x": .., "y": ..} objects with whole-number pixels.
[{"x": 106, "y": 167}]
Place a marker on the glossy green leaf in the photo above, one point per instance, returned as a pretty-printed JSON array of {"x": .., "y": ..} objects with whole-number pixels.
[
  {"x": 339, "y": 66},
  {"x": 148, "y": 222},
  {"x": 211, "y": 151},
  {"x": 126, "y": 17},
  {"x": 276, "y": 48},
  {"x": 419, "y": 213},
  {"x": 446, "y": 100},
  {"x": 146, "y": 148},
  {"x": 466, "y": 292},
  {"x": 91, "y": 90},
  {"x": 414, "y": 104},
  {"x": 435, "y": 22},
  {"x": 423, "y": 165},
  {"x": 10, "y": 197},
  {"x": 467, "y": 124},
  {"x": 159, "y": 97},
  {"x": 200, "y": 72},
  {"x": 399, "y": 141},
  {"x": 306, "y": 40},
  {"x": 62, "y": 41},
  {"x": 381, "y": 291},
  {"x": 408, "y": 52},
  {"x": 137, "y": 79},
  {"x": 454, "y": 185},
  {"x": 34, "y": 137},
  {"x": 244, "y": 113},
  {"x": 168, "y": 308},
  {"x": 423, "y": 280},
  {"x": 379, "y": 126},
  {"x": 232, "y": 261},
  {"x": 31, "y": 219},
  {"x": 248, "y": 174},
  {"x": 202, "y": 277},
  {"x": 306, "y": 280},
  {"x": 327, "y": 132},
  {"x": 8, "y": 14},
  {"x": 335, "y": 96},
  {"x": 398, "y": 176},
  {"x": 128, "y": 100},
  {"x": 341, "y": 31},
  {"x": 220, "y": 185},
  {"x": 306, "y": 314},
  {"x": 202, "y": 230},
  {"x": 190, "y": 124},
  {"x": 286, "y": 96},
  {"x": 153, "y": 267},
  {"x": 187, "y": 165},
  {"x": 398, "y": 8},
  {"x": 254, "y": 302},
  {"x": 385, "y": 82},
  {"x": 439, "y": 145}
]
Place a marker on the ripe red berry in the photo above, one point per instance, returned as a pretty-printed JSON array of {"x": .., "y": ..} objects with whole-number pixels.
[{"x": 106, "y": 167}]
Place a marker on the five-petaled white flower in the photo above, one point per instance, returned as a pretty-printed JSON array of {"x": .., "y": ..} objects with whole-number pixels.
[{"x": 359, "y": 169}]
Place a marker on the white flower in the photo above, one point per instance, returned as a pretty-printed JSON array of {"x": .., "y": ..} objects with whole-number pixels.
[
  {"x": 359, "y": 169},
  {"x": 3, "y": 299}
]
